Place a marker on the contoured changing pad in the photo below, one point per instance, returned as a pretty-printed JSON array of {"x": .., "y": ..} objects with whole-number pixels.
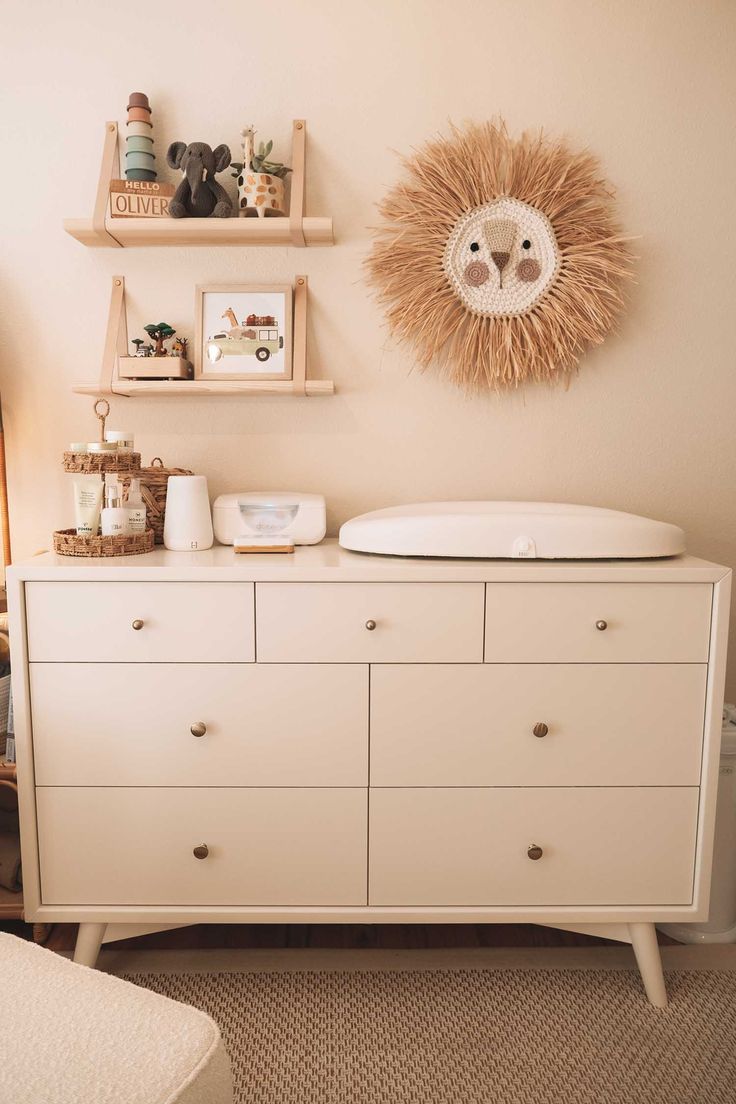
[{"x": 511, "y": 530}]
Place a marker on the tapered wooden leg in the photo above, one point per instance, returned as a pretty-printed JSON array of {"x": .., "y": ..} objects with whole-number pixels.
[
  {"x": 89, "y": 941},
  {"x": 41, "y": 933},
  {"x": 646, "y": 949}
]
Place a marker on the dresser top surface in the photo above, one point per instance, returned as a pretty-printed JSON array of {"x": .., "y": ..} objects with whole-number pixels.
[{"x": 327, "y": 562}]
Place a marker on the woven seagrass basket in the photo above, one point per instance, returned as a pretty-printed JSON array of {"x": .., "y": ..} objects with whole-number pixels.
[
  {"x": 68, "y": 543},
  {"x": 154, "y": 482},
  {"x": 93, "y": 462}
]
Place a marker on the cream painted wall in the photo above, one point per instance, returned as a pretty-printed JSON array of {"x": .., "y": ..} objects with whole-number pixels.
[{"x": 649, "y": 425}]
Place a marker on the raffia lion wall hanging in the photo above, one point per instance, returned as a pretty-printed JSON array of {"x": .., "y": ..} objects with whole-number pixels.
[{"x": 500, "y": 259}]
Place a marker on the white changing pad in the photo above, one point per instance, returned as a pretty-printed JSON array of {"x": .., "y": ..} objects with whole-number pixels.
[{"x": 511, "y": 530}]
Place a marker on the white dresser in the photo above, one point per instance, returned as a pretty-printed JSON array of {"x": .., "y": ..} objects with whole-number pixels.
[{"x": 330, "y": 737}]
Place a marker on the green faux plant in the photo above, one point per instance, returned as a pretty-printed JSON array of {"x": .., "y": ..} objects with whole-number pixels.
[{"x": 259, "y": 163}]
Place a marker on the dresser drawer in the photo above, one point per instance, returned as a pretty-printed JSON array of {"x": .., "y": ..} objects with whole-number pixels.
[
  {"x": 612, "y": 724},
  {"x": 469, "y": 846},
  {"x": 266, "y": 847},
  {"x": 370, "y": 622},
  {"x": 121, "y": 724},
  {"x": 176, "y": 622},
  {"x": 557, "y": 622}
]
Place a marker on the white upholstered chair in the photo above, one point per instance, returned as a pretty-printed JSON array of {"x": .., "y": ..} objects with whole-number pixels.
[{"x": 70, "y": 1035}]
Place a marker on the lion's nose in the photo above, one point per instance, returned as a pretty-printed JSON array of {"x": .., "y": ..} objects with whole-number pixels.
[
  {"x": 500, "y": 259},
  {"x": 499, "y": 235}
]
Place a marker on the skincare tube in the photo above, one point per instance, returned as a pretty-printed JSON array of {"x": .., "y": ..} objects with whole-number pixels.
[{"x": 87, "y": 504}]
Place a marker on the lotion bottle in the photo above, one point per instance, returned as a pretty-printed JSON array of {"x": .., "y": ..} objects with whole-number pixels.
[
  {"x": 136, "y": 508},
  {"x": 114, "y": 517}
]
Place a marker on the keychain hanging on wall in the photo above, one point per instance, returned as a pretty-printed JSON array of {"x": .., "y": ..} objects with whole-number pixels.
[{"x": 500, "y": 259}]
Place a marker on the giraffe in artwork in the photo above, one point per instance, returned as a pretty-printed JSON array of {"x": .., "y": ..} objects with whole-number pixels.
[{"x": 236, "y": 330}]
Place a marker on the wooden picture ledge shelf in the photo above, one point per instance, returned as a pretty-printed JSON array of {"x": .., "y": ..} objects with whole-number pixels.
[
  {"x": 116, "y": 344},
  {"x": 102, "y": 231}
]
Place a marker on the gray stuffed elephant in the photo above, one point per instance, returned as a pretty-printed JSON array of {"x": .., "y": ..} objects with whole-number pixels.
[{"x": 199, "y": 194}]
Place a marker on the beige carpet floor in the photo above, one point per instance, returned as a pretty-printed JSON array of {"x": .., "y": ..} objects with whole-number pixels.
[{"x": 468, "y": 1036}]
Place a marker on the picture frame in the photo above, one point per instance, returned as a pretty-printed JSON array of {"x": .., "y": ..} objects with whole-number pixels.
[{"x": 250, "y": 327}]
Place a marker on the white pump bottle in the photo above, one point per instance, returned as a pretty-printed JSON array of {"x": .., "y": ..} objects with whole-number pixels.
[{"x": 136, "y": 508}]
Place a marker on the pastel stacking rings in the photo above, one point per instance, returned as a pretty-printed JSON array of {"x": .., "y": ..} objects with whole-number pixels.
[
  {"x": 138, "y": 143},
  {"x": 140, "y": 174},
  {"x": 139, "y": 115},
  {"x": 137, "y": 160},
  {"x": 139, "y": 130},
  {"x": 139, "y": 156}
]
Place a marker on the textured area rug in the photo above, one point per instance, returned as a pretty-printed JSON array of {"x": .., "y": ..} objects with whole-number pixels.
[{"x": 469, "y": 1036}]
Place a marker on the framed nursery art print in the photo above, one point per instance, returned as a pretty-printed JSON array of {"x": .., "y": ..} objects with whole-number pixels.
[{"x": 243, "y": 332}]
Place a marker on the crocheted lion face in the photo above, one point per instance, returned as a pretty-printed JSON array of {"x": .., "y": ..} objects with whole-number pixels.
[{"x": 500, "y": 259}]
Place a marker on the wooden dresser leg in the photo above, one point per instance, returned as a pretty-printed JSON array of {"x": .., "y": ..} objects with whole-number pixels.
[
  {"x": 41, "y": 933},
  {"x": 646, "y": 949},
  {"x": 89, "y": 941}
]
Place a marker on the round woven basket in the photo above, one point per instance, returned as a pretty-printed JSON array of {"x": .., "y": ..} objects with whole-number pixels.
[
  {"x": 68, "y": 543},
  {"x": 93, "y": 462},
  {"x": 154, "y": 482}
]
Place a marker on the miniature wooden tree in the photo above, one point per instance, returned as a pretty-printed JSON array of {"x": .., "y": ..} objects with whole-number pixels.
[{"x": 159, "y": 332}]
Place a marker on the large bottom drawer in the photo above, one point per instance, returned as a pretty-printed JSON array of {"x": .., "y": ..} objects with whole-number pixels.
[
  {"x": 600, "y": 846},
  {"x": 124, "y": 846}
]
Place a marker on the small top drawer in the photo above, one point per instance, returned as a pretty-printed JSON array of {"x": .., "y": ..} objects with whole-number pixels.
[
  {"x": 140, "y": 622},
  {"x": 369, "y": 622},
  {"x": 597, "y": 622}
]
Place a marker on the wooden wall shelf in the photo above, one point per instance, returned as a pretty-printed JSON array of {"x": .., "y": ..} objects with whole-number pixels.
[
  {"x": 102, "y": 231},
  {"x": 132, "y": 233},
  {"x": 131, "y": 389},
  {"x": 116, "y": 344}
]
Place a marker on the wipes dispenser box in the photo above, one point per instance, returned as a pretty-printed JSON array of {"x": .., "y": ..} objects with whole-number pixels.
[{"x": 268, "y": 517}]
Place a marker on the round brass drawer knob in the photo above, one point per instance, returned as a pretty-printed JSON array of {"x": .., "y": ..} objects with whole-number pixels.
[
  {"x": 601, "y": 626},
  {"x": 534, "y": 852},
  {"x": 201, "y": 852},
  {"x": 198, "y": 728},
  {"x": 137, "y": 624},
  {"x": 370, "y": 625},
  {"x": 540, "y": 730}
]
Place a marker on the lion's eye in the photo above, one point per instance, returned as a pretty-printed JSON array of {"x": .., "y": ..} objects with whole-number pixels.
[
  {"x": 474, "y": 247},
  {"x": 526, "y": 244}
]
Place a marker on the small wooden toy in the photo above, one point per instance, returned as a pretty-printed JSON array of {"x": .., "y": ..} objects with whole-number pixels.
[{"x": 156, "y": 362}]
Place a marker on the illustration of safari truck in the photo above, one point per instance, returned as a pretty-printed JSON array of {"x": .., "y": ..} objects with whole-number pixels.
[{"x": 257, "y": 336}]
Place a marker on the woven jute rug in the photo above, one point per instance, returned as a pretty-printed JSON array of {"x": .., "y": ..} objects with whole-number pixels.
[{"x": 469, "y": 1036}]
